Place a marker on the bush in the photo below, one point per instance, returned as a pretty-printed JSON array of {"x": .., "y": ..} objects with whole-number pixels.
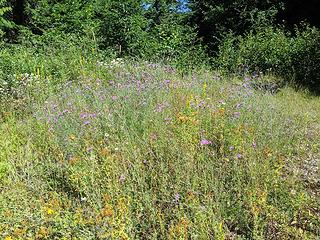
[
  {"x": 273, "y": 50},
  {"x": 306, "y": 58},
  {"x": 267, "y": 50},
  {"x": 131, "y": 31},
  {"x": 46, "y": 58},
  {"x": 176, "y": 44},
  {"x": 3, "y": 22}
]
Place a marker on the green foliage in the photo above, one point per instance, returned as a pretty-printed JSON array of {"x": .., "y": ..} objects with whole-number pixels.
[
  {"x": 172, "y": 42},
  {"x": 154, "y": 34},
  {"x": 122, "y": 26},
  {"x": 4, "y": 23},
  {"x": 273, "y": 50},
  {"x": 61, "y": 16},
  {"x": 265, "y": 50},
  {"x": 305, "y": 55},
  {"x": 54, "y": 58},
  {"x": 215, "y": 19}
]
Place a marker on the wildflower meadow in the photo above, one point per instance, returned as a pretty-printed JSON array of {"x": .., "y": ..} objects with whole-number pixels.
[
  {"x": 159, "y": 120},
  {"x": 136, "y": 150}
]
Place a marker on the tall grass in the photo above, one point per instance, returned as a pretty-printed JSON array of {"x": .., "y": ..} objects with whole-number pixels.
[{"x": 131, "y": 150}]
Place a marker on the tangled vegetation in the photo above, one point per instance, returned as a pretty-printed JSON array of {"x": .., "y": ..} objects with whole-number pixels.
[
  {"x": 159, "y": 119},
  {"x": 134, "y": 150}
]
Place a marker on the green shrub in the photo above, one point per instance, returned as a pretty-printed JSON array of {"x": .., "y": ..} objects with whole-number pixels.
[
  {"x": 3, "y": 22},
  {"x": 295, "y": 58},
  {"x": 49, "y": 58},
  {"x": 123, "y": 27},
  {"x": 267, "y": 50},
  {"x": 171, "y": 42},
  {"x": 62, "y": 16},
  {"x": 305, "y": 56}
]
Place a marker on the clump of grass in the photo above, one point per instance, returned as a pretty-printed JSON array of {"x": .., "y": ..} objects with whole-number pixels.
[{"x": 139, "y": 151}]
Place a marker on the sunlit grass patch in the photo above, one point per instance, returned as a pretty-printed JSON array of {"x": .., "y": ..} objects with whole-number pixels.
[{"x": 141, "y": 151}]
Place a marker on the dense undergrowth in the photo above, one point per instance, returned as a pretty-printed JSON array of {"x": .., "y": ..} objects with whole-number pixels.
[
  {"x": 100, "y": 149},
  {"x": 292, "y": 57}
]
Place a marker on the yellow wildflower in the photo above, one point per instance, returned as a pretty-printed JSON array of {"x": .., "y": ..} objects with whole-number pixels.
[
  {"x": 74, "y": 160},
  {"x": 104, "y": 152},
  {"x": 107, "y": 211},
  {"x": 50, "y": 211},
  {"x": 106, "y": 197},
  {"x": 72, "y": 137},
  {"x": 204, "y": 89},
  {"x": 267, "y": 152},
  {"x": 42, "y": 232}
]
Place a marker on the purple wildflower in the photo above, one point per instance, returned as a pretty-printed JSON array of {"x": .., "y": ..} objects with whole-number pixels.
[
  {"x": 239, "y": 105},
  {"x": 167, "y": 82},
  {"x": 122, "y": 178},
  {"x": 239, "y": 156},
  {"x": 83, "y": 115},
  {"x": 201, "y": 103},
  {"x": 177, "y": 198},
  {"x": 86, "y": 122},
  {"x": 204, "y": 142},
  {"x": 93, "y": 115},
  {"x": 222, "y": 102},
  {"x": 236, "y": 114},
  {"x": 168, "y": 121},
  {"x": 161, "y": 107},
  {"x": 254, "y": 144}
]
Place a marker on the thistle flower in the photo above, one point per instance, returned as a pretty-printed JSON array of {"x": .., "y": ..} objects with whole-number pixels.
[
  {"x": 83, "y": 115},
  {"x": 238, "y": 105},
  {"x": 205, "y": 142}
]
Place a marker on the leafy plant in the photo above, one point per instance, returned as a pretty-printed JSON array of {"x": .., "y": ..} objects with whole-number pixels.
[
  {"x": 4, "y": 23},
  {"x": 273, "y": 50},
  {"x": 305, "y": 55}
]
